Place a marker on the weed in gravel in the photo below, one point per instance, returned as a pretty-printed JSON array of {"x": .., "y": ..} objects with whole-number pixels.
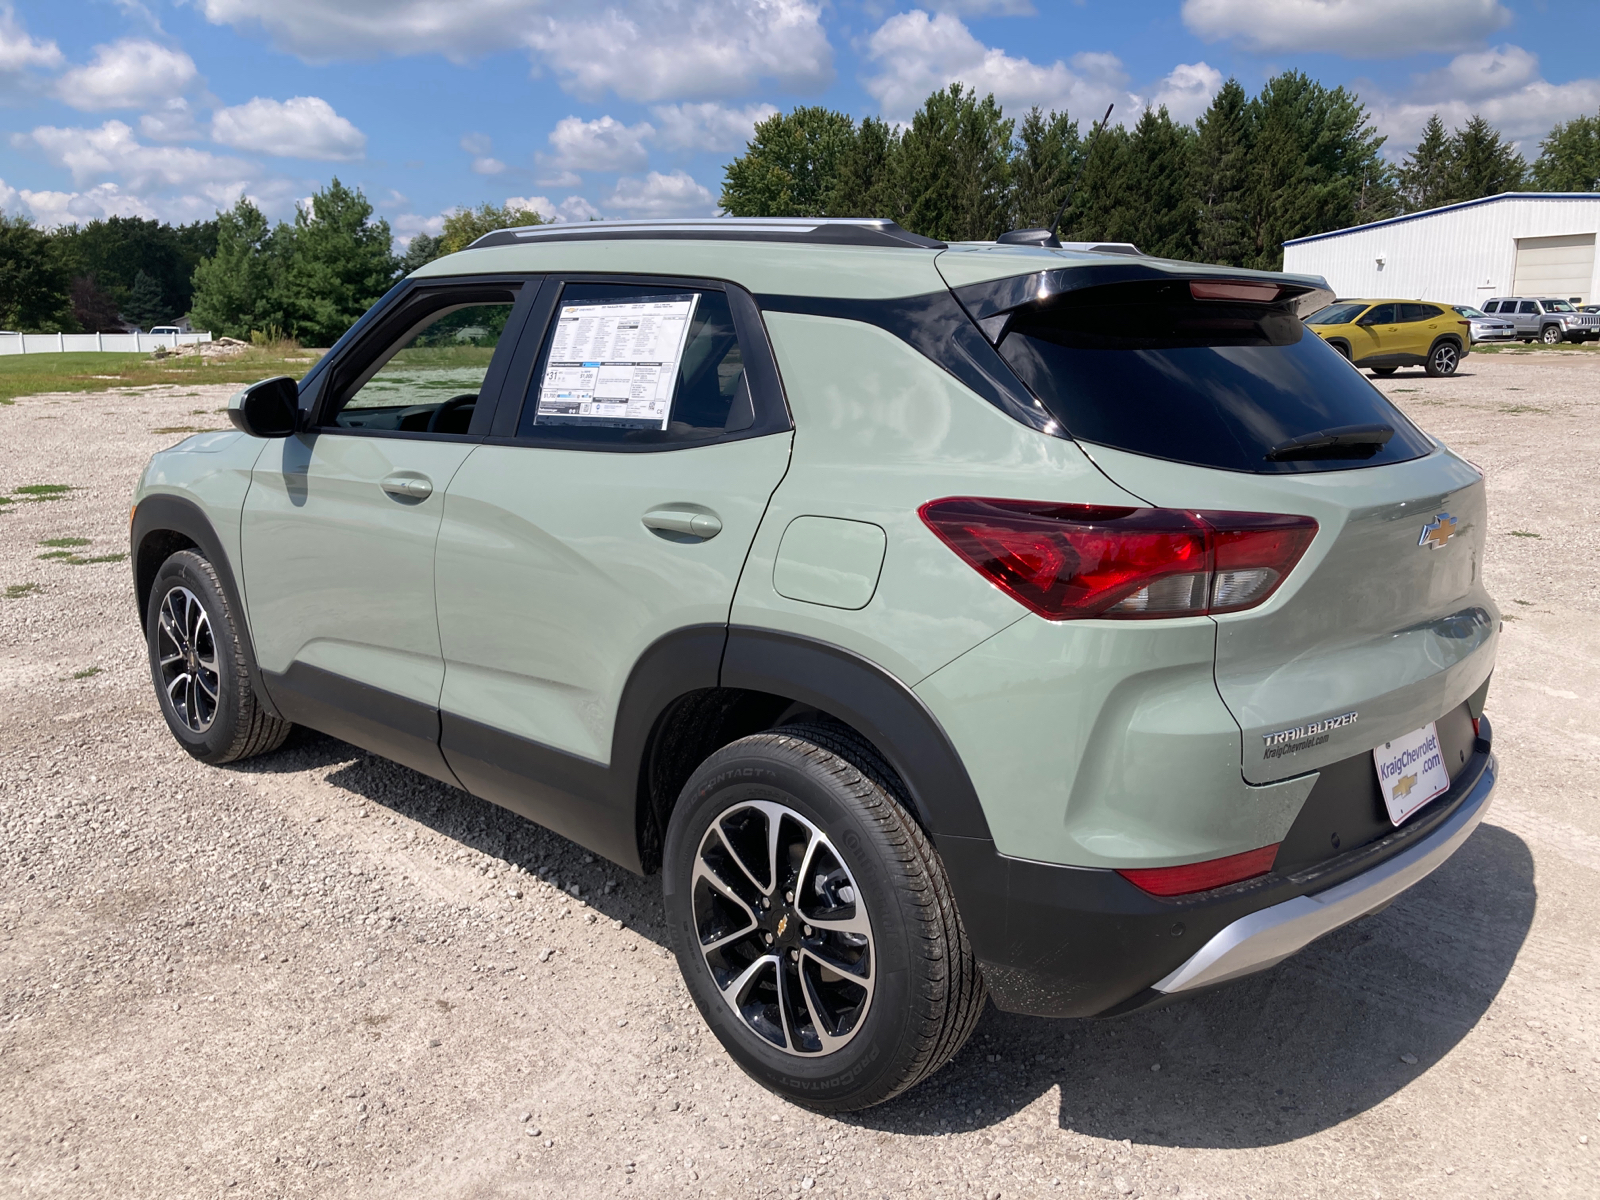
[
  {"x": 86, "y": 673},
  {"x": 1524, "y": 603},
  {"x": 40, "y": 492},
  {"x": 1522, "y": 408},
  {"x": 15, "y": 591},
  {"x": 1522, "y": 533},
  {"x": 60, "y": 542}
]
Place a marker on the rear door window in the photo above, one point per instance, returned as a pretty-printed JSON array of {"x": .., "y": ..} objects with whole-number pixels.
[
  {"x": 1528, "y": 306},
  {"x": 1146, "y": 368},
  {"x": 1381, "y": 314}
]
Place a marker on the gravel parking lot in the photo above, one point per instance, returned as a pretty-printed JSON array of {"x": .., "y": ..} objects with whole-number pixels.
[{"x": 319, "y": 974}]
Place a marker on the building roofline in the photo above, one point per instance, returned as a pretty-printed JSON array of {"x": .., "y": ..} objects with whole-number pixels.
[{"x": 1429, "y": 212}]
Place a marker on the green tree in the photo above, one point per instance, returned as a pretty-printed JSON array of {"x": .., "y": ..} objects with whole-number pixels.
[
  {"x": 420, "y": 251},
  {"x": 1100, "y": 204},
  {"x": 339, "y": 262},
  {"x": 1426, "y": 178},
  {"x": 145, "y": 306},
  {"x": 866, "y": 182},
  {"x": 1160, "y": 213},
  {"x": 1221, "y": 176},
  {"x": 1044, "y": 163},
  {"x": 236, "y": 288},
  {"x": 1569, "y": 157},
  {"x": 1483, "y": 163},
  {"x": 790, "y": 167},
  {"x": 34, "y": 280},
  {"x": 955, "y": 167},
  {"x": 116, "y": 250},
  {"x": 92, "y": 308},
  {"x": 467, "y": 225}
]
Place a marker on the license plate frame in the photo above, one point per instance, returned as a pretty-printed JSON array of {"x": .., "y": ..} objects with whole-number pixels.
[{"x": 1411, "y": 772}]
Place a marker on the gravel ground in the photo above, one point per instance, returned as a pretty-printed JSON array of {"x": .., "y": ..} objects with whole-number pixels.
[{"x": 319, "y": 974}]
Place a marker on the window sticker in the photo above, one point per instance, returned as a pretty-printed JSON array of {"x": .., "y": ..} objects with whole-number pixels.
[{"x": 614, "y": 363}]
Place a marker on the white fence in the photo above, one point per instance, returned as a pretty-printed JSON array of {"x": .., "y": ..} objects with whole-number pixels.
[{"x": 63, "y": 343}]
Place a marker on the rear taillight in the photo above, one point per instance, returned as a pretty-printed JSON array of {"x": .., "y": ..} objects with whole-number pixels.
[
  {"x": 1202, "y": 876},
  {"x": 1066, "y": 561}
]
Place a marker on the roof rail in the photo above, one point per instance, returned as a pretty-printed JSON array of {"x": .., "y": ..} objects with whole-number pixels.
[{"x": 822, "y": 231}]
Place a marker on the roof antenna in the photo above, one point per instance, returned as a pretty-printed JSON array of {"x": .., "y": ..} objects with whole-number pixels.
[{"x": 1047, "y": 237}]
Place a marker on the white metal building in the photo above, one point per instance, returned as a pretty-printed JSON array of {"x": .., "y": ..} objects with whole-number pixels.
[{"x": 1513, "y": 244}]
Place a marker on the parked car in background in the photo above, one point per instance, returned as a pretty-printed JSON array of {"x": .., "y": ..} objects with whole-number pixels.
[
  {"x": 159, "y": 329},
  {"x": 1384, "y": 335},
  {"x": 1486, "y": 328},
  {"x": 1542, "y": 319},
  {"x": 828, "y": 571}
]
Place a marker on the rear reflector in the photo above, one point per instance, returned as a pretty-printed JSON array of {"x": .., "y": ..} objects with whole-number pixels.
[
  {"x": 1067, "y": 561},
  {"x": 1202, "y": 876}
]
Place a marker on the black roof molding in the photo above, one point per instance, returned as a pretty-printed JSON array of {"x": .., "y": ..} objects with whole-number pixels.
[{"x": 816, "y": 231}]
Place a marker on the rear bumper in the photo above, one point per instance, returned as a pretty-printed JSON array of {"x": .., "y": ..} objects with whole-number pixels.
[{"x": 1062, "y": 941}]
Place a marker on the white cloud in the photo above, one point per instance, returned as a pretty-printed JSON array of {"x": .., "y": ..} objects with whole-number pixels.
[
  {"x": 1187, "y": 90},
  {"x": 639, "y": 49},
  {"x": 19, "y": 51},
  {"x": 112, "y": 150},
  {"x": 1502, "y": 85},
  {"x": 485, "y": 165},
  {"x": 605, "y": 144},
  {"x": 984, "y": 8},
  {"x": 477, "y": 143},
  {"x": 300, "y": 127},
  {"x": 1353, "y": 28},
  {"x": 172, "y": 121},
  {"x": 131, "y": 73},
  {"x": 916, "y": 54},
  {"x": 573, "y": 208},
  {"x": 658, "y": 195},
  {"x": 708, "y": 126},
  {"x": 560, "y": 179}
]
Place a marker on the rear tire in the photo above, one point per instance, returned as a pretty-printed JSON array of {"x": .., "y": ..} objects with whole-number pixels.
[
  {"x": 869, "y": 894},
  {"x": 199, "y": 668},
  {"x": 1385, "y": 371},
  {"x": 1443, "y": 360}
]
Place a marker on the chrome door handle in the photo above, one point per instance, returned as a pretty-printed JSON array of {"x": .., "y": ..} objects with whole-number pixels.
[
  {"x": 685, "y": 522},
  {"x": 407, "y": 487}
]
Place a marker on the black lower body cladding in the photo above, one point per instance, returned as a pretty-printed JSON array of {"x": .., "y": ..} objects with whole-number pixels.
[{"x": 1057, "y": 941}]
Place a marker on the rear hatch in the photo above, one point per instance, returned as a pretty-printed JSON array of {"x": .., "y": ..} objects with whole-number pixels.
[{"x": 1198, "y": 398}]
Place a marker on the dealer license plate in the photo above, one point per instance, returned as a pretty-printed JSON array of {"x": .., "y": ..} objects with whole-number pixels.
[{"x": 1411, "y": 771}]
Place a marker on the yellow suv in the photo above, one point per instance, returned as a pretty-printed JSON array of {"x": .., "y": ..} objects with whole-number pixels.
[{"x": 1383, "y": 335}]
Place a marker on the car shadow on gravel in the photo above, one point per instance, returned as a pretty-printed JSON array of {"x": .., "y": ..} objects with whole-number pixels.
[{"x": 1317, "y": 1040}]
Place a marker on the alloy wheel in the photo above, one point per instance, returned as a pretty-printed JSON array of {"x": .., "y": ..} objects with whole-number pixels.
[
  {"x": 1445, "y": 359},
  {"x": 187, "y": 655},
  {"x": 783, "y": 929}
]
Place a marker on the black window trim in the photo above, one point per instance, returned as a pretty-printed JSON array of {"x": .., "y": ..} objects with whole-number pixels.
[
  {"x": 387, "y": 319},
  {"x": 767, "y": 394}
]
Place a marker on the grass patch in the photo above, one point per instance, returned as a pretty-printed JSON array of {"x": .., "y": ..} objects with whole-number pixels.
[
  {"x": 188, "y": 429},
  {"x": 1514, "y": 409},
  {"x": 29, "y": 374},
  {"x": 42, "y": 491},
  {"x": 1524, "y": 603},
  {"x": 15, "y": 591},
  {"x": 86, "y": 673},
  {"x": 82, "y": 560},
  {"x": 1523, "y": 533},
  {"x": 58, "y": 543}
]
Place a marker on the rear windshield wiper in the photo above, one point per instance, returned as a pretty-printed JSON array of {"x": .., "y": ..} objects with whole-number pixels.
[{"x": 1343, "y": 441}]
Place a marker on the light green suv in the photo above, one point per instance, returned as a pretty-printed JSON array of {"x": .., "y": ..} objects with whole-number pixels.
[{"x": 1051, "y": 624}]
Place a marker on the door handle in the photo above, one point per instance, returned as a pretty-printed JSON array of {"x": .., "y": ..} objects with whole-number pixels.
[
  {"x": 407, "y": 487},
  {"x": 687, "y": 523}
]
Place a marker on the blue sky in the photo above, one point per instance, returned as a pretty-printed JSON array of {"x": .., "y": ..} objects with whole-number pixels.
[{"x": 174, "y": 108}]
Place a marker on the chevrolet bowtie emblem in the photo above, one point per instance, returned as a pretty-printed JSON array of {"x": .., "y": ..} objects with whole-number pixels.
[
  {"x": 783, "y": 921},
  {"x": 1437, "y": 532},
  {"x": 1403, "y": 786}
]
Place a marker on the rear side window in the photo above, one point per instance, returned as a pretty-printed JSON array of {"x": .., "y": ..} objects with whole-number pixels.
[
  {"x": 1145, "y": 368},
  {"x": 638, "y": 365},
  {"x": 1337, "y": 313}
]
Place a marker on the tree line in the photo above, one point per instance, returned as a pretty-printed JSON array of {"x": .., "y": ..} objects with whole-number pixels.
[{"x": 1249, "y": 174}]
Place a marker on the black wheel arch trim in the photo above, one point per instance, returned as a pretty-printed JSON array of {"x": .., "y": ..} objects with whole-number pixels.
[{"x": 162, "y": 513}]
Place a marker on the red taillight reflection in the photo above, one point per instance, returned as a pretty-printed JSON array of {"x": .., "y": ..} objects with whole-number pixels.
[
  {"x": 1078, "y": 560},
  {"x": 1202, "y": 876}
]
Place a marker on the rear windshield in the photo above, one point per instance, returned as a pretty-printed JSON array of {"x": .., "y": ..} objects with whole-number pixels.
[
  {"x": 1144, "y": 368},
  {"x": 1337, "y": 313}
]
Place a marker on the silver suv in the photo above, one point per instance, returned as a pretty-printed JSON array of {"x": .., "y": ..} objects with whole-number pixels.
[{"x": 1546, "y": 319}]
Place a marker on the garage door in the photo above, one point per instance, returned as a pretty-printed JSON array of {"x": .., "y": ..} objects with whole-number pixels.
[{"x": 1555, "y": 266}]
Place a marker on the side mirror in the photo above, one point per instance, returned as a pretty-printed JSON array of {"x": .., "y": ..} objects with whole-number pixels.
[{"x": 269, "y": 409}]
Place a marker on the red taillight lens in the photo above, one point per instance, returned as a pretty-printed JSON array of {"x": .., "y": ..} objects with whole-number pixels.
[
  {"x": 1202, "y": 876},
  {"x": 1080, "y": 560}
]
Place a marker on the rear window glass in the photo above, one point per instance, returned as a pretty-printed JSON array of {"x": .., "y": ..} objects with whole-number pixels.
[
  {"x": 1144, "y": 368},
  {"x": 1336, "y": 313}
]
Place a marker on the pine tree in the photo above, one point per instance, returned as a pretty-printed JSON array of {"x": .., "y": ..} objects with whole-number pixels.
[
  {"x": 1425, "y": 178},
  {"x": 236, "y": 287},
  {"x": 1482, "y": 163},
  {"x": 1044, "y": 163},
  {"x": 1221, "y": 163},
  {"x": 1569, "y": 157},
  {"x": 145, "y": 307},
  {"x": 955, "y": 167},
  {"x": 1101, "y": 205},
  {"x": 339, "y": 262},
  {"x": 420, "y": 251},
  {"x": 865, "y": 183},
  {"x": 790, "y": 166},
  {"x": 1160, "y": 211}
]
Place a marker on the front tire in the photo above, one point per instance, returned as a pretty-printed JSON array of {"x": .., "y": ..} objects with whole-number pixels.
[
  {"x": 1551, "y": 336},
  {"x": 813, "y": 921},
  {"x": 1443, "y": 360},
  {"x": 199, "y": 668}
]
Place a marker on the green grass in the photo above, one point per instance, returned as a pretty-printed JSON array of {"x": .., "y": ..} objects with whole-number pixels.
[
  {"x": 58, "y": 543},
  {"x": 15, "y": 591},
  {"x": 1523, "y": 533},
  {"x": 30, "y": 374},
  {"x": 42, "y": 491},
  {"x": 1522, "y": 408},
  {"x": 86, "y": 673}
]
